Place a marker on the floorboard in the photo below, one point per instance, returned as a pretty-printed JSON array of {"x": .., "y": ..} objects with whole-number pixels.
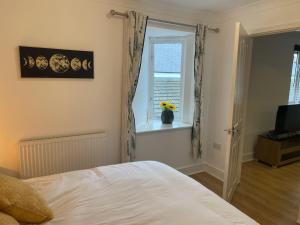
[{"x": 269, "y": 196}]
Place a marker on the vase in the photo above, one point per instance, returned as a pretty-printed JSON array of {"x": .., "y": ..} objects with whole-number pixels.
[{"x": 167, "y": 116}]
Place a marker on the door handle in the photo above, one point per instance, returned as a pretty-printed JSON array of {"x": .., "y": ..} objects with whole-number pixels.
[
  {"x": 232, "y": 131},
  {"x": 229, "y": 131}
]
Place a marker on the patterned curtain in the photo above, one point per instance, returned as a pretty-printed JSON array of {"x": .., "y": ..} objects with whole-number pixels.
[
  {"x": 134, "y": 36},
  {"x": 198, "y": 76}
]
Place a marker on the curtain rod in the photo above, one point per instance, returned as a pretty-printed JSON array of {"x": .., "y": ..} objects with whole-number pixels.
[{"x": 115, "y": 13}]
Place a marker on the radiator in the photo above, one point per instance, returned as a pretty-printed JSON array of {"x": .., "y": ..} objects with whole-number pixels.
[{"x": 46, "y": 156}]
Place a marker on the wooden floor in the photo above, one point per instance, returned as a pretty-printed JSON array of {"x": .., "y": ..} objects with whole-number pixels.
[{"x": 269, "y": 196}]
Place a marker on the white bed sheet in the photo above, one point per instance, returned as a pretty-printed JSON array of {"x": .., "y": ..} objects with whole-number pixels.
[{"x": 139, "y": 193}]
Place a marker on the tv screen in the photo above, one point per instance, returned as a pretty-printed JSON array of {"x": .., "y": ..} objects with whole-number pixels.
[{"x": 288, "y": 118}]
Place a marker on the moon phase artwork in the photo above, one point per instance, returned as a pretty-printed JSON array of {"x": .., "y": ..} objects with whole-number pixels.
[{"x": 56, "y": 63}]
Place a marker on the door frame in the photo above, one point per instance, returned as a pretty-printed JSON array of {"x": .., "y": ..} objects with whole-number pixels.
[
  {"x": 277, "y": 29},
  {"x": 283, "y": 28}
]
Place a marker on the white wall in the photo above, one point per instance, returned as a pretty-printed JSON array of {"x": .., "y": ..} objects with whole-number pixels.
[
  {"x": 262, "y": 16},
  {"x": 218, "y": 93},
  {"x": 172, "y": 147},
  {"x": 42, "y": 107},
  {"x": 269, "y": 83}
]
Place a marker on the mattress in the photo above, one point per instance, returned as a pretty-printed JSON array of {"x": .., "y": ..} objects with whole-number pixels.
[{"x": 139, "y": 193}]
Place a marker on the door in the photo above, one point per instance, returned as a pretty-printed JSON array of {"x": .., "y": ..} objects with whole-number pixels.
[{"x": 240, "y": 78}]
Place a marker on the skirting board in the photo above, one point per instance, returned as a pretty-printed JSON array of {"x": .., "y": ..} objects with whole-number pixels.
[
  {"x": 248, "y": 157},
  {"x": 210, "y": 169},
  {"x": 202, "y": 167},
  {"x": 218, "y": 173},
  {"x": 9, "y": 172},
  {"x": 215, "y": 172},
  {"x": 192, "y": 169}
]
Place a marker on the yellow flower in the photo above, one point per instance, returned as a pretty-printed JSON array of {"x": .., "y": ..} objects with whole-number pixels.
[
  {"x": 171, "y": 107},
  {"x": 164, "y": 105}
]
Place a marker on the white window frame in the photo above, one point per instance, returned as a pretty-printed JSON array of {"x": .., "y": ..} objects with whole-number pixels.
[
  {"x": 186, "y": 81},
  {"x": 296, "y": 90}
]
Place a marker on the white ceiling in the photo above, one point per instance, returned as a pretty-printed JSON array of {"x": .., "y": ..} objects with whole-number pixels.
[{"x": 211, "y": 5}]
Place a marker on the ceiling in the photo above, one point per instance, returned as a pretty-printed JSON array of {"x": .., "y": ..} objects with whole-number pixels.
[{"x": 210, "y": 5}]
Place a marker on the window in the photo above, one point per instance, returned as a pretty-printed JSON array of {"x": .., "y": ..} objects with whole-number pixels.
[
  {"x": 294, "y": 95},
  {"x": 166, "y": 71},
  {"x": 166, "y": 75}
]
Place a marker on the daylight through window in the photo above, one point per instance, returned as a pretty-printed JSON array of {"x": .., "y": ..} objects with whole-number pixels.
[
  {"x": 294, "y": 95},
  {"x": 167, "y": 75}
]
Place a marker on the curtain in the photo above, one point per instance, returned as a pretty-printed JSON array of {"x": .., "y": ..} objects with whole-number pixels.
[
  {"x": 198, "y": 77},
  {"x": 134, "y": 36}
]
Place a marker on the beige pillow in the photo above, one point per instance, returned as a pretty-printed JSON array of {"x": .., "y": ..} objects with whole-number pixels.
[
  {"x": 22, "y": 202},
  {"x": 7, "y": 220}
]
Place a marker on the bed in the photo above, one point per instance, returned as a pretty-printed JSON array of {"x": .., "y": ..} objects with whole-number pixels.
[{"x": 139, "y": 193}]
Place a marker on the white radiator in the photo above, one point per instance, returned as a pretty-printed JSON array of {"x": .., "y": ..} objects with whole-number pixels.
[{"x": 45, "y": 156}]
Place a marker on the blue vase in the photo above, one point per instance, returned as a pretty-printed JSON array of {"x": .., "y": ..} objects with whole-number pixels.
[{"x": 167, "y": 116}]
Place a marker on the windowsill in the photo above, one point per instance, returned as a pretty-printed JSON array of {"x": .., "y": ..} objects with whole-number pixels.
[{"x": 157, "y": 126}]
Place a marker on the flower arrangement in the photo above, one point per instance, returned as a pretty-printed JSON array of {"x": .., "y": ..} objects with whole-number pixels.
[
  {"x": 167, "y": 115},
  {"x": 167, "y": 106}
]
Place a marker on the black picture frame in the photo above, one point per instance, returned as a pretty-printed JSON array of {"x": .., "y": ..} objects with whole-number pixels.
[{"x": 56, "y": 63}]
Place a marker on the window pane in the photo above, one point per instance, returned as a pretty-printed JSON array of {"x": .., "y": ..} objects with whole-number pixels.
[
  {"x": 167, "y": 77},
  {"x": 294, "y": 95},
  {"x": 167, "y": 57}
]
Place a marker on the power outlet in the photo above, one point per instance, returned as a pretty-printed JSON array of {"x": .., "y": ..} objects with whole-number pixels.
[{"x": 217, "y": 146}]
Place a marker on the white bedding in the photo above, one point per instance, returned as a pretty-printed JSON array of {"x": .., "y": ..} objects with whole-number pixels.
[{"x": 140, "y": 193}]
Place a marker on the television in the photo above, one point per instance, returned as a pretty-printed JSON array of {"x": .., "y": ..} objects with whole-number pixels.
[{"x": 288, "y": 119}]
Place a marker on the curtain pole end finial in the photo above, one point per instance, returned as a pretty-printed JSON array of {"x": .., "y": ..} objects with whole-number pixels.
[{"x": 112, "y": 12}]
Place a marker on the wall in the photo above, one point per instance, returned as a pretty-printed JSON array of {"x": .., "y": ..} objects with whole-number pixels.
[
  {"x": 172, "y": 147},
  {"x": 269, "y": 83},
  {"x": 218, "y": 93},
  {"x": 259, "y": 17},
  {"x": 42, "y": 107}
]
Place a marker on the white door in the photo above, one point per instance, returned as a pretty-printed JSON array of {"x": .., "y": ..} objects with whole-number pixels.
[{"x": 240, "y": 78}]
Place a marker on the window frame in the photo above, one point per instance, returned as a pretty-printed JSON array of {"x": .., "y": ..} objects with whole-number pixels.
[
  {"x": 163, "y": 40},
  {"x": 296, "y": 90}
]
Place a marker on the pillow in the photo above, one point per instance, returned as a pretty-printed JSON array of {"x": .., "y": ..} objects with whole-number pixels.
[
  {"x": 22, "y": 202},
  {"x": 7, "y": 220}
]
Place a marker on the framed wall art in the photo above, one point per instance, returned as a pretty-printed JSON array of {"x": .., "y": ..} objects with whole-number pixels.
[{"x": 56, "y": 63}]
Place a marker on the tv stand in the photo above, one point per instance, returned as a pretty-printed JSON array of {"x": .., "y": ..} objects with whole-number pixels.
[{"x": 277, "y": 152}]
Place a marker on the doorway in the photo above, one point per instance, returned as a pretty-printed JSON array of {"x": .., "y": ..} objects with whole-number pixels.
[
  {"x": 267, "y": 194},
  {"x": 272, "y": 83}
]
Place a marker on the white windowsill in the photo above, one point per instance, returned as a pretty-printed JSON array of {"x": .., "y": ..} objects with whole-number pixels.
[{"x": 157, "y": 126}]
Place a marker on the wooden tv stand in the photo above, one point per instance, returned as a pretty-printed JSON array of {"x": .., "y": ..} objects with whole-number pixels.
[{"x": 277, "y": 152}]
